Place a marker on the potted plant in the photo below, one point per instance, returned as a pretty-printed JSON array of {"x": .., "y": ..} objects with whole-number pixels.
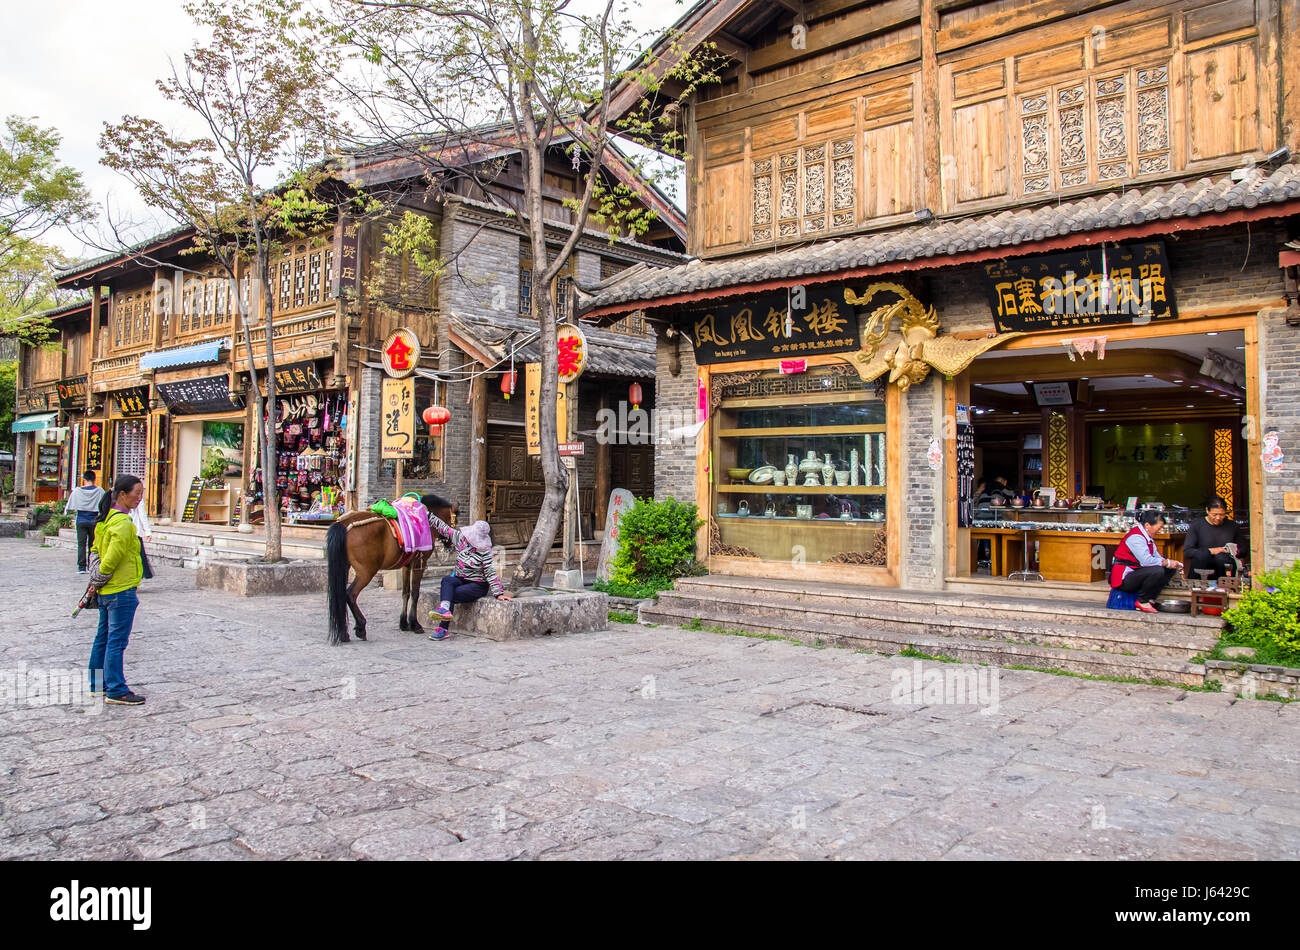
[{"x": 213, "y": 470}]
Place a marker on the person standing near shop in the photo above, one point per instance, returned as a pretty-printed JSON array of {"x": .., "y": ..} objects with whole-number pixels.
[
  {"x": 116, "y": 578},
  {"x": 1139, "y": 568},
  {"x": 85, "y": 502},
  {"x": 1211, "y": 542}
]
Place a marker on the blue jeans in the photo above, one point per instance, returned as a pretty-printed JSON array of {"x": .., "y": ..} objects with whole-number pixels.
[
  {"x": 116, "y": 613},
  {"x": 456, "y": 591}
]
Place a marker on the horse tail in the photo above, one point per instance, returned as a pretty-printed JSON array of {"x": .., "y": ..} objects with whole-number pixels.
[{"x": 336, "y": 556}]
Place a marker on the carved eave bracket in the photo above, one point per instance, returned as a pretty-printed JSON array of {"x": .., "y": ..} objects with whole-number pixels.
[{"x": 909, "y": 353}]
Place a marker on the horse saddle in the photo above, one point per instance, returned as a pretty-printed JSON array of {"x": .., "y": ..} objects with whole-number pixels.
[{"x": 411, "y": 527}]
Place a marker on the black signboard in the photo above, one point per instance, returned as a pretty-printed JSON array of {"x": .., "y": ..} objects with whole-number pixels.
[
  {"x": 29, "y": 401},
  {"x": 346, "y": 272},
  {"x": 191, "y": 512},
  {"x": 798, "y": 322},
  {"x": 1084, "y": 288},
  {"x": 95, "y": 446},
  {"x": 132, "y": 403},
  {"x": 294, "y": 378},
  {"x": 965, "y": 473},
  {"x": 194, "y": 396},
  {"x": 72, "y": 393}
]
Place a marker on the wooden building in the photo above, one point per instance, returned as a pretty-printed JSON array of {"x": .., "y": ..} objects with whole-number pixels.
[
  {"x": 1052, "y": 241},
  {"x": 166, "y": 370}
]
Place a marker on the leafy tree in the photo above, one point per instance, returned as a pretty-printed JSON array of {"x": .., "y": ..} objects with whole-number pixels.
[
  {"x": 37, "y": 196},
  {"x": 8, "y": 396},
  {"x": 456, "y": 86},
  {"x": 253, "y": 179}
]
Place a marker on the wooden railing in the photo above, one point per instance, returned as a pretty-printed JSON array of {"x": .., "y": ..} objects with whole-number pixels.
[{"x": 308, "y": 335}]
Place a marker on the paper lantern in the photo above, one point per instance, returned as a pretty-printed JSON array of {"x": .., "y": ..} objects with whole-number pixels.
[
  {"x": 508, "y": 381},
  {"x": 634, "y": 395},
  {"x": 436, "y": 415}
]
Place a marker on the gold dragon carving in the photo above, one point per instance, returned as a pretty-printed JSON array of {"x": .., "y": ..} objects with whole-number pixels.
[{"x": 919, "y": 346}]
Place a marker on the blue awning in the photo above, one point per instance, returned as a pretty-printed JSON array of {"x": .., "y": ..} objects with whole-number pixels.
[
  {"x": 195, "y": 355},
  {"x": 34, "y": 423}
]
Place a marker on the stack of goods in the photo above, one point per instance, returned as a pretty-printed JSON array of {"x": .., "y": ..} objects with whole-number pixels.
[{"x": 310, "y": 452}]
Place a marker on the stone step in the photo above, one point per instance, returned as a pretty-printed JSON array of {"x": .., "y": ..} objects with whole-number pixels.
[
  {"x": 967, "y": 606},
  {"x": 1011, "y": 626},
  {"x": 968, "y": 650}
]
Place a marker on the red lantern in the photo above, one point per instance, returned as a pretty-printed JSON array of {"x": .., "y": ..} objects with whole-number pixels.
[
  {"x": 508, "y": 381},
  {"x": 634, "y": 395},
  {"x": 436, "y": 415}
]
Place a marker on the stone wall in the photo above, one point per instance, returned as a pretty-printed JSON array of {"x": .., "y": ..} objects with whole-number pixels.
[
  {"x": 921, "y": 561},
  {"x": 1280, "y": 405}
]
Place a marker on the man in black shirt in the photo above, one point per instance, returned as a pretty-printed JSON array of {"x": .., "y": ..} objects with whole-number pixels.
[{"x": 1207, "y": 541}]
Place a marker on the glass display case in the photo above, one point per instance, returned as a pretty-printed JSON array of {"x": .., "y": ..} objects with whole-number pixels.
[{"x": 800, "y": 466}]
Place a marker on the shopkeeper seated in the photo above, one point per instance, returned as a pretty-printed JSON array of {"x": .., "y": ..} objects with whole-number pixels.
[
  {"x": 991, "y": 487},
  {"x": 1138, "y": 567},
  {"x": 1206, "y": 546}
]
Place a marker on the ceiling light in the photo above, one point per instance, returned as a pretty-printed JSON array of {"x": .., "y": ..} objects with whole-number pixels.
[
  {"x": 1146, "y": 375},
  {"x": 1015, "y": 412},
  {"x": 1028, "y": 381},
  {"x": 1190, "y": 406},
  {"x": 1178, "y": 380},
  {"x": 1242, "y": 346},
  {"x": 1213, "y": 333},
  {"x": 1101, "y": 410}
]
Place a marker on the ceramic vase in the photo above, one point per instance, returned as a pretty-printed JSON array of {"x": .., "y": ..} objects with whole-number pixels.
[
  {"x": 791, "y": 471},
  {"x": 828, "y": 471}
]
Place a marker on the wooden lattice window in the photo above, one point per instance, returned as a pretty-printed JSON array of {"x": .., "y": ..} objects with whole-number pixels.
[
  {"x": 808, "y": 190},
  {"x": 303, "y": 275}
]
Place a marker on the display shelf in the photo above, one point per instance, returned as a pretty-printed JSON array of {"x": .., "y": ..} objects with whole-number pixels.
[{"x": 803, "y": 489}]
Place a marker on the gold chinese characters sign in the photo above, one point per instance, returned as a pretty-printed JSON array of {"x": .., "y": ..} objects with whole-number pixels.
[
  {"x": 397, "y": 419},
  {"x": 1084, "y": 288},
  {"x": 532, "y": 409},
  {"x": 803, "y": 321}
]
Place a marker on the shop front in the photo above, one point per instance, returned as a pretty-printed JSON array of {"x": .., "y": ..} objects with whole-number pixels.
[
  {"x": 311, "y": 448},
  {"x": 199, "y": 452}
]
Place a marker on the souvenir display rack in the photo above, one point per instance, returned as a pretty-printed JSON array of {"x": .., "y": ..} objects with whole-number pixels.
[{"x": 310, "y": 456}]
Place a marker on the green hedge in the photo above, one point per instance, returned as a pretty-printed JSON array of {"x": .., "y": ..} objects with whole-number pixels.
[
  {"x": 656, "y": 543},
  {"x": 1270, "y": 619}
]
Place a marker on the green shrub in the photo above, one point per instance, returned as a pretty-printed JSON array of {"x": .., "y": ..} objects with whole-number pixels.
[
  {"x": 656, "y": 541},
  {"x": 7, "y": 488},
  {"x": 57, "y": 521},
  {"x": 638, "y": 590},
  {"x": 1270, "y": 618}
]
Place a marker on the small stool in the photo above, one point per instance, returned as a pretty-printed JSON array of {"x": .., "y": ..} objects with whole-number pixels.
[
  {"x": 1203, "y": 597},
  {"x": 1121, "y": 600}
]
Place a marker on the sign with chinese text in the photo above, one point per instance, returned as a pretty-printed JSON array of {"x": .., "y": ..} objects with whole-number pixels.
[
  {"x": 295, "y": 378},
  {"x": 1084, "y": 288},
  {"x": 72, "y": 393},
  {"x": 401, "y": 353},
  {"x": 573, "y": 448},
  {"x": 571, "y": 345},
  {"x": 29, "y": 401},
  {"x": 134, "y": 402},
  {"x": 1053, "y": 394},
  {"x": 347, "y": 255},
  {"x": 95, "y": 446},
  {"x": 620, "y": 503},
  {"x": 207, "y": 394},
  {"x": 789, "y": 367},
  {"x": 397, "y": 419},
  {"x": 532, "y": 415},
  {"x": 775, "y": 324}
]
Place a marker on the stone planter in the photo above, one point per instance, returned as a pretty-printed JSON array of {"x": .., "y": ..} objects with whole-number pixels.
[
  {"x": 1254, "y": 680},
  {"x": 494, "y": 619},
  {"x": 255, "y": 579}
]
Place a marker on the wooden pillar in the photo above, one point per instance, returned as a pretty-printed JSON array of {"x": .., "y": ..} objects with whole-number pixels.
[
  {"x": 600, "y": 492},
  {"x": 933, "y": 183},
  {"x": 93, "y": 341},
  {"x": 478, "y": 450}
]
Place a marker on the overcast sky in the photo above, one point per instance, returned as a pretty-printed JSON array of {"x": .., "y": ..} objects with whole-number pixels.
[{"x": 76, "y": 64}]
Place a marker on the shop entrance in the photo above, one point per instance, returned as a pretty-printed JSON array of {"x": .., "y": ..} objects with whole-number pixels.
[{"x": 1065, "y": 452}]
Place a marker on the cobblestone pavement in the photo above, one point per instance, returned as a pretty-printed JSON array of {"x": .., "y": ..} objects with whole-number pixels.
[{"x": 260, "y": 741}]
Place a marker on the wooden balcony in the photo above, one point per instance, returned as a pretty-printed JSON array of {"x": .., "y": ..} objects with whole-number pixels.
[
  {"x": 116, "y": 370},
  {"x": 311, "y": 336}
]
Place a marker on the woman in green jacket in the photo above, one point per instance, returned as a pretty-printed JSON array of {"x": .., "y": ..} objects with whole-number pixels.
[{"x": 116, "y": 579}]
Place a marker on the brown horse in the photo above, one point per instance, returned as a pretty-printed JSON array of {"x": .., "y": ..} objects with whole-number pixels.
[{"x": 363, "y": 541}]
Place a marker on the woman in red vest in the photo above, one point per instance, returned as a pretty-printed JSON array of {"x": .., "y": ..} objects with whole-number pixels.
[{"x": 1139, "y": 568}]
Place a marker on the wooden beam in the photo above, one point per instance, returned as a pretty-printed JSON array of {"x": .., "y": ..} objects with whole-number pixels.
[
  {"x": 1015, "y": 19},
  {"x": 930, "y": 143},
  {"x": 858, "y": 25}
]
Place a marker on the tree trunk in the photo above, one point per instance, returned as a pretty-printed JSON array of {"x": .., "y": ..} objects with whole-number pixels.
[{"x": 270, "y": 491}]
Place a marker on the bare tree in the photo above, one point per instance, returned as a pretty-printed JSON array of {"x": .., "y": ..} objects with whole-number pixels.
[
  {"x": 456, "y": 86},
  {"x": 254, "y": 177}
]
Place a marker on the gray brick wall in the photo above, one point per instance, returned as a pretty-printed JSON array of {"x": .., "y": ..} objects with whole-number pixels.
[
  {"x": 922, "y": 558},
  {"x": 675, "y": 462},
  {"x": 1280, "y": 405}
]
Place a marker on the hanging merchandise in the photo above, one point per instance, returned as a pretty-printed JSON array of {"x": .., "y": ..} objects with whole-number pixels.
[{"x": 311, "y": 444}]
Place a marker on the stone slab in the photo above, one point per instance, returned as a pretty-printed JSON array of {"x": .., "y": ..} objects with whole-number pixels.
[
  {"x": 251, "y": 579},
  {"x": 12, "y": 529},
  {"x": 528, "y": 617}
]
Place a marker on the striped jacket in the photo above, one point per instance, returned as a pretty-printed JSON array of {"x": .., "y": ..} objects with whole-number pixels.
[{"x": 471, "y": 564}]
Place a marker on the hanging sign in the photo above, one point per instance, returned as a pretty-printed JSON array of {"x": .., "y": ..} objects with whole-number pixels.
[
  {"x": 132, "y": 403},
  {"x": 72, "y": 393},
  {"x": 295, "y": 378},
  {"x": 1087, "y": 287},
  {"x": 397, "y": 418},
  {"x": 571, "y": 346},
  {"x": 401, "y": 353},
  {"x": 965, "y": 452},
  {"x": 207, "y": 394},
  {"x": 774, "y": 324},
  {"x": 95, "y": 446},
  {"x": 191, "y": 512},
  {"x": 532, "y": 414},
  {"x": 573, "y": 448},
  {"x": 33, "y": 402},
  {"x": 345, "y": 275}
]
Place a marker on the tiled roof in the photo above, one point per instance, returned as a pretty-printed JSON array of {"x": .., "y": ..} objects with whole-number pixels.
[
  {"x": 123, "y": 255},
  {"x": 614, "y": 354},
  {"x": 640, "y": 286}
]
